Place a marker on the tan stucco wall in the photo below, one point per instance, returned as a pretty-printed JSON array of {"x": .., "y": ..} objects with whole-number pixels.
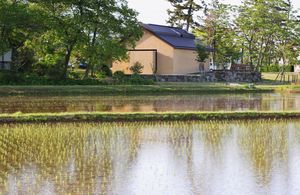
[
  {"x": 149, "y": 41},
  {"x": 165, "y": 52},
  {"x": 185, "y": 62},
  {"x": 146, "y": 58}
]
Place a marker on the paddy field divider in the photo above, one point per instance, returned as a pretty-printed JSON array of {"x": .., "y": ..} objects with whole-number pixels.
[{"x": 140, "y": 116}]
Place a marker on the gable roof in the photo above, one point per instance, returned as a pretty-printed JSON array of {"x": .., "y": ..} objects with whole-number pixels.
[{"x": 176, "y": 37}]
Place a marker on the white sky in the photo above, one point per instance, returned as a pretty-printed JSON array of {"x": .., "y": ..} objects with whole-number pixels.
[{"x": 155, "y": 11}]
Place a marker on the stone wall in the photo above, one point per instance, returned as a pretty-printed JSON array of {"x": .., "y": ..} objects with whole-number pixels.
[{"x": 213, "y": 76}]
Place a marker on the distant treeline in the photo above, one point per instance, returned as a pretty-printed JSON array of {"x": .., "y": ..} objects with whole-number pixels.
[{"x": 257, "y": 32}]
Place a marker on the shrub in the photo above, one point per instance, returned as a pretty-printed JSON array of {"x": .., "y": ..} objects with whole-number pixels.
[
  {"x": 275, "y": 68},
  {"x": 136, "y": 79},
  {"x": 119, "y": 76},
  {"x": 137, "y": 68},
  {"x": 74, "y": 75},
  {"x": 105, "y": 70},
  {"x": 8, "y": 77}
]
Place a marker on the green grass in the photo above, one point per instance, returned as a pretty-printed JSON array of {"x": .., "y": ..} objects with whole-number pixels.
[
  {"x": 165, "y": 88},
  {"x": 269, "y": 76},
  {"x": 130, "y": 117},
  {"x": 156, "y": 89}
]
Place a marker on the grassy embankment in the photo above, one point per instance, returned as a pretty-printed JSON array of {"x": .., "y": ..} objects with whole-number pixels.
[
  {"x": 122, "y": 117},
  {"x": 161, "y": 88},
  {"x": 268, "y": 85}
]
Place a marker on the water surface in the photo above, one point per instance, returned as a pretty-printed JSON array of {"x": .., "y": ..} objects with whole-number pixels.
[
  {"x": 228, "y": 158},
  {"x": 177, "y": 103}
]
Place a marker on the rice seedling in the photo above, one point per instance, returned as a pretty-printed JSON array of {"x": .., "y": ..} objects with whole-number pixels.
[{"x": 105, "y": 158}]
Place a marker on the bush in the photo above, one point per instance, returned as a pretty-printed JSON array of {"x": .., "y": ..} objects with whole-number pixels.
[
  {"x": 105, "y": 70},
  {"x": 119, "y": 76},
  {"x": 275, "y": 68},
  {"x": 11, "y": 78},
  {"x": 136, "y": 79},
  {"x": 137, "y": 68},
  {"x": 74, "y": 75}
]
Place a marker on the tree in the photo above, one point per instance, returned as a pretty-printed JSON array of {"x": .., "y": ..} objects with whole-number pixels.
[
  {"x": 108, "y": 44},
  {"x": 97, "y": 31},
  {"x": 266, "y": 29},
  {"x": 183, "y": 13},
  {"x": 64, "y": 20},
  {"x": 202, "y": 53},
  {"x": 19, "y": 22},
  {"x": 217, "y": 31}
]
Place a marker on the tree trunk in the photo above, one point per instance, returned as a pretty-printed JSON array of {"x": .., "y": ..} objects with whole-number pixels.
[
  {"x": 14, "y": 59},
  {"x": 66, "y": 62},
  {"x": 189, "y": 19},
  {"x": 89, "y": 64},
  {"x": 251, "y": 56},
  {"x": 242, "y": 57}
]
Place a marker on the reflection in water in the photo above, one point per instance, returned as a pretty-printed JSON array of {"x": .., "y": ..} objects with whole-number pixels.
[
  {"x": 216, "y": 102},
  {"x": 241, "y": 157}
]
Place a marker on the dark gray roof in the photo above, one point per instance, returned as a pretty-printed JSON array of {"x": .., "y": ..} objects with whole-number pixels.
[{"x": 176, "y": 37}]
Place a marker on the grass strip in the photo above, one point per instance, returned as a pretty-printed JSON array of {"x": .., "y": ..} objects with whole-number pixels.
[
  {"x": 131, "y": 89},
  {"x": 135, "y": 117}
]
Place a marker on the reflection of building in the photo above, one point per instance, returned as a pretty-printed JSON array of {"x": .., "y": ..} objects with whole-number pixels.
[
  {"x": 5, "y": 61},
  {"x": 164, "y": 50}
]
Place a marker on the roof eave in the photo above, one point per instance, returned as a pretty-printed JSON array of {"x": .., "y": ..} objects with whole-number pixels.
[{"x": 185, "y": 48}]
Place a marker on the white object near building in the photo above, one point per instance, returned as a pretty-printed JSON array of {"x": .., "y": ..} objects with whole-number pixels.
[{"x": 297, "y": 68}]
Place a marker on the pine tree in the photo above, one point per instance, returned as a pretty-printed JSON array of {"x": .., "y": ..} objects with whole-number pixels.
[{"x": 183, "y": 12}]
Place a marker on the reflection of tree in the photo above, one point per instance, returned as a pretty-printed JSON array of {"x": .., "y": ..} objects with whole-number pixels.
[
  {"x": 214, "y": 134},
  {"x": 183, "y": 135},
  {"x": 263, "y": 142},
  {"x": 180, "y": 137},
  {"x": 76, "y": 158}
]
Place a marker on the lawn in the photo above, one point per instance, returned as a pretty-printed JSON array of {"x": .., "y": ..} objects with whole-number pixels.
[{"x": 270, "y": 77}]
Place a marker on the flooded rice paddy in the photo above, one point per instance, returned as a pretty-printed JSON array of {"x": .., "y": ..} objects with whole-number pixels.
[
  {"x": 177, "y": 103},
  {"x": 225, "y": 157}
]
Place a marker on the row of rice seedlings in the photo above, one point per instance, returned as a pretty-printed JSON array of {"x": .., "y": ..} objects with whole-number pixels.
[{"x": 78, "y": 158}]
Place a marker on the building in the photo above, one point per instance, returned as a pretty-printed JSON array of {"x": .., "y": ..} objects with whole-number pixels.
[
  {"x": 164, "y": 50},
  {"x": 5, "y": 61}
]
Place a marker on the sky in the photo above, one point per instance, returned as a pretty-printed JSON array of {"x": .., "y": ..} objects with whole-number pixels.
[{"x": 155, "y": 11}]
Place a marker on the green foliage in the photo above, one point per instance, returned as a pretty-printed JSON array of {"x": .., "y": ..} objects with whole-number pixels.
[
  {"x": 276, "y": 68},
  {"x": 258, "y": 33},
  {"x": 137, "y": 68},
  {"x": 270, "y": 34},
  {"x": 218, "y": 32},
  {"x": 45, "y": 36},
  {"x": 168, "y": 116},
  {"x": 136, "y": 79},
  {"x": 183, "y": 13},
  {"x": 105, "y": 70},
  {"x": 119, "y": 76},
  {"x": 74, "y": 75},
  {"x": 202, "y": 53}
]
